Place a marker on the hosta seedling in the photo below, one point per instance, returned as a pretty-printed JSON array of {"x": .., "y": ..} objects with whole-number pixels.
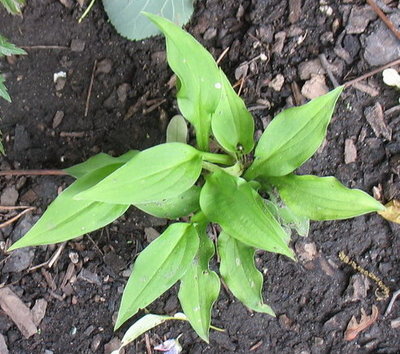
[{"x": 253, "y": 194}]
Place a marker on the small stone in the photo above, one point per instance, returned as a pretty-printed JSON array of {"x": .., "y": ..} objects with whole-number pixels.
[
  {"x": 74, "y": 257},
  {"x": 357, "y": 289},
  {"x": 350, "y": 151},
  {"x": 19, "y": 260},
  {"x": 9, "y": 196},
  {"x": 294, "y": 10},
  {"x": 210, "y": 34},
  {"x": 39, "y": 311},
  {"x": 114, "y": 261},
  {"x": 89, "y": 276},
  {"x": 47, "y": 351},
  {"x": 112, "y": 345},
  {"x": 382, "y": 46},
  {"x": 3, "y": 345},
  {"x": 21, "y": 139},
  {"x": 359, "y": 18},
  {"x": 395, "y": 323},
  {"x": 104, "y": 66},
  {"x": 96, "y": 342},
  {"x": 77, "y": 45},
  {"x": 122, "y": 92},
  {"x": 151, "y": 234},
  {"x": 57, "y": 120},
  {"x": 310, "y": 67},
  {"x": 277, "y": 83},
  {"x": 279, "y": 42},
  {"x": 376, "y": 119},
  {"x": 306, "y": 251},
  {"x": 67, "y": 3},
  {"x": 314, "y": 87},
  {"x": 60, "y": 83}
]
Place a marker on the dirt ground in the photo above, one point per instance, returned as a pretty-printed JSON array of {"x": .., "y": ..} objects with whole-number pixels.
[{"x": 130, "y": 105}]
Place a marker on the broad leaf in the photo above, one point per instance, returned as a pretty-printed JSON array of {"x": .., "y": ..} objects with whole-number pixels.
[
  {"x": 240, "y": 273},
  {"x": 3, "y": 90},
  {"x": 199, "y": 78},
  {"x": 13, "y": 6},
  {"x": 232, "y": 124},
  {"x": 98, "y": 161},
  {"x": 128, "y": 20},
  {"x": 236, "y": 206},
  {"x": 177, "y": 130},
  {"x": 323, "y": 198},
  {"x": 67, "y": 218},
  {"x": 293, "y": 136},
  {"x": 7, "y": 48},
  {"x": 157, "y": 268},
  {"x": 175, "y": 207},
  {"x": 160, "y": 172},
  {"x": 200, "y": 287},
  {"x": 143, "y": 325}
]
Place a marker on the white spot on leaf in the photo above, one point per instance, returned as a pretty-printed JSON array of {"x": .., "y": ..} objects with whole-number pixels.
[{"x": 218, "y": 85}]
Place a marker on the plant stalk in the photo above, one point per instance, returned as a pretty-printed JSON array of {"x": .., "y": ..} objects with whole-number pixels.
[{"x": 218, "y": 158}]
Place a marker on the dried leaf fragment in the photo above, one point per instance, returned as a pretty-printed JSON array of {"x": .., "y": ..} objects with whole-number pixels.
[
  {"x": 392, "y": 211},
  {"x": 354, "y": 327}
]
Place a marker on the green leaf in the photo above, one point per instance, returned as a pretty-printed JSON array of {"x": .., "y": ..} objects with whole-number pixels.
[
  {"x": 160, "y": 172},
  {"x": 3, "y": 90},
  {"x": 293, "y": 136},
  {"x": 13, "y": 6},
  {"x": 98, "y": 161},
  {"x": 240, "y": 273},
  {"x": 175, "y": 207},
  {"x": 199, "y": 78},
  {"x": 143, "y": 325},
  {"x": 232, "y": 202},
  {"x": 128, "y": 20},
  {"x": 323, "y": 198},
  {"x": 177, "y": 130},
  {"x": 157, "y": 268},
  {"x": 67, "y": 218},
  {"x": 200, "y": 287},
  {"x": 7, "y": 48},
  {"x": 232, "y": 124}
]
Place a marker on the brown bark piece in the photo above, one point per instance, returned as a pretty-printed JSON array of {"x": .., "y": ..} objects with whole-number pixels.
[
  {"x": 376, "y": 120},
  {"x": 18, "y": 312},
  {"x": 294, "y": 10},
  {"x": 350, "y": 151}
]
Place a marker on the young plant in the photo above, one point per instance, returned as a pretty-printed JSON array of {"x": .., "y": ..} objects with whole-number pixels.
[{"x": 252, "y": 194}]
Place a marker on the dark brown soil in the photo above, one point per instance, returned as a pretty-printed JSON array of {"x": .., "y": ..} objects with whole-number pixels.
[{"x": 311, "y": 299}]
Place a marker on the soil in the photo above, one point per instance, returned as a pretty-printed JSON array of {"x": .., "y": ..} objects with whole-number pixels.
[{"x": 130, "y": 104}]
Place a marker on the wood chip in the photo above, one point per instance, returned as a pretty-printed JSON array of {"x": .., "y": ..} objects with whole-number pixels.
[
  {"x": 372, "y": 91},
  {"x": 375, "y": 117},
  {"x": 350, "y": 151},
  {"x": 57, "y": 120},
  {"x": 18, "y": 312},
  {"x": 294, "y": 10},
  {"x": 354, "y": 327}
]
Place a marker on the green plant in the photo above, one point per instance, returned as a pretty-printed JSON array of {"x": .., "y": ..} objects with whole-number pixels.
[
  {"x": 13, "y": 6},
  {"x": 254, "y": 197}
]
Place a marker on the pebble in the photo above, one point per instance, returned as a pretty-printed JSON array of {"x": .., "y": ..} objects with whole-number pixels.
[
  {"x": 382, "y": 46},
  {"x": 95, "y": 342},
  {"x": 151, "y": 234},
  {"x": 122, "y": 92},
  {"x": 77, "y": 45},
  {"x": 395, "y": 323},
  {"x": 112, "y": 345},
  {"x": 350, "y": 151},
  {"x": 3, "y": 345},
  {"x": 19, "y": 260},
  {"x": 57, "y": 120},
  {"x": 89, "y": 276},
  {"x": 21, "y": 139},
  {"x": 314, "y": 87},
  {"x": 359, "y": 18},
  {"x": 310, "y": 67},
  {"x": 277, "y": 82},
  {"x": 104, "y": 66},
  {"x": 306, "y": 251},
  {"x": 60, "y": 83},
  {"x": 357, "y": 289},
  {"x": 9, "y": 196},
  {"x": 210, "y": 33},
  {"x": 23, "y": 226}
]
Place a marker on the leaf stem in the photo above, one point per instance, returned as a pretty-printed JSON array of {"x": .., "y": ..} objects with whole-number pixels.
[
  {"x": 86, "y": 11},
  {"x": 218, "y": 158}
]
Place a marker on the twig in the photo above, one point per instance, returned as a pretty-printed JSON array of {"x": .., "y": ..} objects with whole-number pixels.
[
  {"x": 33, "y": 173},
  {"x": 4, "y": 207},
  {"x": 148, "y": 345},
  {"x": 16, "y": 217},
  {"x": 326, "y": 66},
  {"x": 222, "y": 55},
  {"x": 373, "y": 72},
  {"x": 53, "y": 259},
  {"x": 389, "y": 308},
  {"x": 384, "y": 18},
  {"x": 90, "y": 89},
  {"x": 28, "y": 47}
]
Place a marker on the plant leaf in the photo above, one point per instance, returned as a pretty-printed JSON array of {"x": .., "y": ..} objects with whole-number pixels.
[
  {"x": 128, "y": 20},
  {"x": 232, "y": 124},
  {"x": 7, "y": 48},
  {"x": 199, "y": 78},
  {"x": 200, "y": 287},
  {"x": 144, "y": 324},
  {"x": 157, "y": 268},
  {"x": 97, "y": 161},
  {"x": 323, "y": 198},
  {"x": 177, "y": 130},
  {"x": 175, "y": 207},
  {"x": 13, "y": 6},
  {"x": 392, "y": 211},
  {"x": 3, "y": 89},
  {"x": 240, "y": 273},
  {"x": 67, "y": 218},
  {"x": 236, "y": 206},
  {"x": 160, "y": 172},
  {"x": 293, "y": 136}
]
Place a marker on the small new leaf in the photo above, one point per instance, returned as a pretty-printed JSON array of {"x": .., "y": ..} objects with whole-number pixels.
[
  {"x": 200, "y": 287},
  {"x": 157, "y": 268},
  {"x": 240, "y": 273},
  {"x": 67, "y": 218},
  {"x": 161, "y": 172},
  {"x": 7, "y": 48},
  {"x": 13, "y": 6},
  {"x": 323, "y": 198},
  {"x": 3, "y": 90},
  {"x": 233, "y": 203},
  {"x": 293, "y": 136},
  {"x": 177, "y": 130}
]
